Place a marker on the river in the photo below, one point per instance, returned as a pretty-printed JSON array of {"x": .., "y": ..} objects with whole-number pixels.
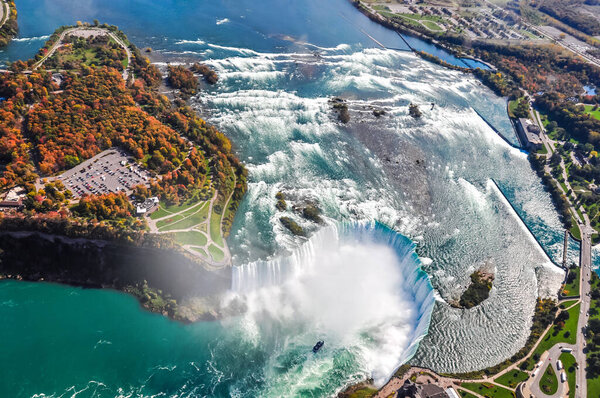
[{"x": 355, "y": 284}]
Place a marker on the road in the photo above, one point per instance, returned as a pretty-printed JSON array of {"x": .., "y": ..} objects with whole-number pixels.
[
  {"x": 586, "y": 270},
  {"x": 58, "y": 44},
  {"x": 545, "y": 35},
  {"x": 585, "y": 263},
  {"x": 128, "y": 51},
  {"x": 549, "y": 358}
]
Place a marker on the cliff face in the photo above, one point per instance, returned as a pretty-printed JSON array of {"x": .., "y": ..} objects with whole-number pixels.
[{"x": 146, "y": 273}]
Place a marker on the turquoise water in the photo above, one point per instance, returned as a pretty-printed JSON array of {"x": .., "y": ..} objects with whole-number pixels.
[{"x": 279, "y": 63}]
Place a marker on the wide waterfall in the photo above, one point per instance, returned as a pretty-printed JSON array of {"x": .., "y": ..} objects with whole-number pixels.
[{"x": 358, "y": 286}]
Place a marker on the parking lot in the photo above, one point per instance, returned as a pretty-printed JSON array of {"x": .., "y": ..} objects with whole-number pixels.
[{"x": 109, "y": 171}]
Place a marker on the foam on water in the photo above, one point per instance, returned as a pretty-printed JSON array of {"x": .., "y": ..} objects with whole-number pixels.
[
  {"x": 359, "y": 287},
  {"x": 292, "y": 143}
]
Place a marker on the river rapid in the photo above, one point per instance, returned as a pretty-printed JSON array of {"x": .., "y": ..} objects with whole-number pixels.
[{"x": 411, "y": 208}]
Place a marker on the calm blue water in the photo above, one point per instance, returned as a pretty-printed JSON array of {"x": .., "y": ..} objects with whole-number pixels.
[{"x": 272, "y": 101}]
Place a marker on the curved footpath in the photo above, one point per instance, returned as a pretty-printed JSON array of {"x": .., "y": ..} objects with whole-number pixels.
[
  {"x": 99, "y": 31},
  {"x": 152, "y": 223},
  {"x": 4, "y": 12}
]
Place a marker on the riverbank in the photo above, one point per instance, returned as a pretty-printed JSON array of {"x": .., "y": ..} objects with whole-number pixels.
[{"x": 166, "y": 281}]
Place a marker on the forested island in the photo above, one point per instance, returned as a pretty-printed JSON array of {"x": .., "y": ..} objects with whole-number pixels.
[{"x": 88, "y": 95}]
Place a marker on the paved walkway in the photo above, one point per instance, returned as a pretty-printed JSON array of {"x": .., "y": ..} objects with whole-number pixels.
[
  {"x": 549, "y": 358},
  {"x": 204, "y": 228},
  {"x": 88, "y": 30}
]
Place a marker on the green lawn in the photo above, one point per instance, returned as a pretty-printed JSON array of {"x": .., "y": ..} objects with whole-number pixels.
[
  {"x": 568, "y": 362},
  {"x": 595, "y": 114},
  {"x": 162, "y": 223},
  {"x": 567, "y": 304},
  {"x": 216, "y": 253},
  {"x": 191, "y": 238},
  {"x": 432, "y": 25},
  {"x": 488, "y": 390},
  {"x": 572, "y": 289},
  {"x": 365, "y": 392},
  {"x": 575, "y": 229},
  {"x": 555, "y": 336},
  {"x": 549, "y": 382},
  {"x": 201, "y": 251},
  {"x": 166, "y": 210},
  {"x": 512, "y": 379},
  {"x": 465, "y": 394},
  {"x": 188, "y": 222},
  {"x": 215, "y": 228},
  {"x": 159, "y": 213}
]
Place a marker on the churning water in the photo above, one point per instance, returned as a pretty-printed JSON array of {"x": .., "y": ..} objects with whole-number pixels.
[{"x": 355, "y": 284}]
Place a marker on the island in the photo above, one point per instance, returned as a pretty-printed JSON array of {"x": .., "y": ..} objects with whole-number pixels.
[
  {"x": 107, "y": 183},
  {"x": 478, "y": 290}
]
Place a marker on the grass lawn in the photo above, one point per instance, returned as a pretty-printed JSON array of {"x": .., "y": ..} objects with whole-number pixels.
[
  {"x": 567, "y": 304},
  {"x": 549, "y": 382},
  {"x": 215, "y": 228},
  {"x": 201, "y": 251},
  {"x": 196, "y": 218},
  {"x": 465, "y": 394},
  {"x": 595, "y": 114},
  {"x": 432, "y": 25},
  {"x": 488, "y": 390},
  {"x": 551, "y": 338},
  {"x": 568, "y": 362},
  {"x": 572, "y": 289},
  {"x": 166, "y": 210},
  {"x": 512, "y": 379},
  {"x": 364, "y": 392},
  {"x": 162, "y": 223},
  {"x": 159, "y": 213},
  {"x": 191, "y": 238},
  {"x": 216, "y": 253},
  {"x": 511, "y": 108},
  {"x": 543, "y": 150},
  {"x": 575, "y": 230}
]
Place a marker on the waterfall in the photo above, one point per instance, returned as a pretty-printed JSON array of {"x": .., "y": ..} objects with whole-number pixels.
[{"x": 358, "y": 278}]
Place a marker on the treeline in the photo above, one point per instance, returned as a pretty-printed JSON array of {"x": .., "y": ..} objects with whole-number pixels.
[
  {"x": 558, "y": 198},
  {"x": 46, "y": 128},
  {"x": 571, "y": 117},
  {"x": 539, "y": 67},
  {"x": 10, "y": 27},
  {"x": 105, "y": 53},
  {"x": 210, "y": 76},
  {"x": 567, "y": 11},
  {"x": 183, "y": 79}
]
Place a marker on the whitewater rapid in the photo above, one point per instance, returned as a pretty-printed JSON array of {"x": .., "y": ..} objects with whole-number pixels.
[{"x": 429, "y": 179}]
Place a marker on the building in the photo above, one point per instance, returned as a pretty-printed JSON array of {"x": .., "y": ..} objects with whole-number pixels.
[
  {"x": 412, "y": 390},
  {"x": 147, "y": 206},
  {"x": 529, "y": 134},
  {"x": 11, "y": 204},
  {"x": 433, "y": 391}
]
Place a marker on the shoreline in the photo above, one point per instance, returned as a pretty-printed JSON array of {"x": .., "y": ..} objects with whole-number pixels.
[{"x": 163, "y": 280}]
